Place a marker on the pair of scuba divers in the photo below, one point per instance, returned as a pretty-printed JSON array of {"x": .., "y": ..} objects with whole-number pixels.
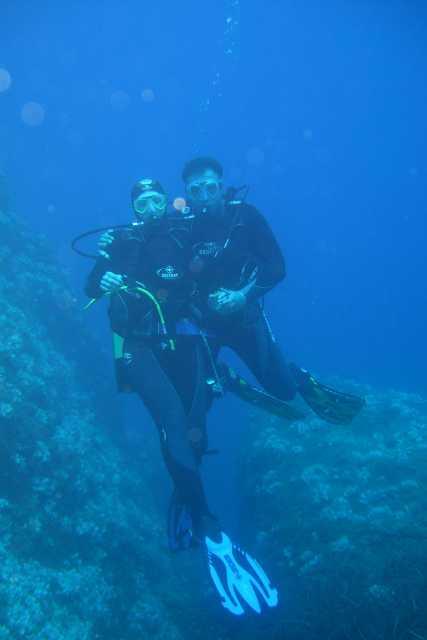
[{"x": 183, "y": 283}]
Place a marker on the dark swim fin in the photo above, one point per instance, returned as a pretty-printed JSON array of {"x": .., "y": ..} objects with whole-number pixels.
[
  {"x": 233, "y": 382},
  {"x": 180, "y": 525},
  {"x": 335, "y": 407},
  {"x": 329, "y": 404}
]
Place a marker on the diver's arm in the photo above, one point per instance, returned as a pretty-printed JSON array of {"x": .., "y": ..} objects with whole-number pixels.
[
  {"x": 267, "y": 271},
  {"x": 271, "y": 267},
  {"x": 93, "y": 282},
  {"x": 105, "y": 263}
]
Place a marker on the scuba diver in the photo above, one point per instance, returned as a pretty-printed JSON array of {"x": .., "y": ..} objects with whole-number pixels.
[
  {"x": 236, "y": 261},
  {"x": 142, "y": 268},
  {"x": 147, "y": 271}
]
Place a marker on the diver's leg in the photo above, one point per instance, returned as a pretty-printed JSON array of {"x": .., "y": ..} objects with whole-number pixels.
[
  {"x": 193, "y": 367},
  {"x": 154, "y": 386},
  {"x": 256, "y": 345},
  {"x": 202, "y": 397},
  {"x": 188, "y": 370}
]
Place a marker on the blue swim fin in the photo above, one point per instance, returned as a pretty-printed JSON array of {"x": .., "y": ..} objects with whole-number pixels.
[{"x": 238, "y": 578}]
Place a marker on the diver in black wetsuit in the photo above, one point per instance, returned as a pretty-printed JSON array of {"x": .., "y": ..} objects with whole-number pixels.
[
  {"x": 144, "y": 270},
  {"x": 236, "y": 261}
]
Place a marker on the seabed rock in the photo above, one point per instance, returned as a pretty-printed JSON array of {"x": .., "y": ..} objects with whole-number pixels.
[
  {"x": 340, "y": 516},
  {"x": 80, "y": 547}
]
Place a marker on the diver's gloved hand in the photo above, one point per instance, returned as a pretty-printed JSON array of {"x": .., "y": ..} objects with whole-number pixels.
[
  {"x": 226, "y": 301},
  {"x": 238, "y": 578},
  {"x": 111, "y": 281},
  {"x": 104, "y": 242}
]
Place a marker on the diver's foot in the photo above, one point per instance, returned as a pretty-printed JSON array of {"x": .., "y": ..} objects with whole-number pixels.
[
  {"x": 301, "y": 376},
  {"x": 210, "y": 528},
  {"x": 238, "y": 578},
  {"x": 180, "y": 525}
]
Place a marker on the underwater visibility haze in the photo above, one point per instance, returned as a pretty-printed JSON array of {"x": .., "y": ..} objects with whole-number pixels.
[{"x": 285, "y": 501}]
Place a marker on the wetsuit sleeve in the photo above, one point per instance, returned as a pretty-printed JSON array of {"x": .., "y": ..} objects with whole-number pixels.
[
  {"x": 268, "y": 255},
  {"x": 92, "y": 288},
  {"x": 102, "y": 265}
]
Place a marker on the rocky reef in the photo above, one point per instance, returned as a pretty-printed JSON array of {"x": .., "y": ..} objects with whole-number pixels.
[
  {"x": 340, "y": 517},
  {"x": 81, "y": 545}
]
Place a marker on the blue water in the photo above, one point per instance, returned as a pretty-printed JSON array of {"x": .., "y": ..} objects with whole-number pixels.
[{"x": 320, "y": 109}]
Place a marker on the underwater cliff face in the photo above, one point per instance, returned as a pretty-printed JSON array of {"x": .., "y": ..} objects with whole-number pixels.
[
  {"x": 339, "y": 515},
  {"x": 81, "y": 543}
]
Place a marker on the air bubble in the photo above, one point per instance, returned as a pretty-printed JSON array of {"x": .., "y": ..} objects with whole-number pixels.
[
  {"x": 148, "y": 95},
  {"x": 179, "y": 203},
  {"x": 33, "y": 114},
  {"x": 5, "y": 80}
]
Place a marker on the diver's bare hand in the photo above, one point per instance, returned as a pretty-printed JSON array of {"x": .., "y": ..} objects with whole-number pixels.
[
  {"x": 226, "y": 301},
  {"x": 104, "y": 242},
  {"x": 111, "y": 281}
]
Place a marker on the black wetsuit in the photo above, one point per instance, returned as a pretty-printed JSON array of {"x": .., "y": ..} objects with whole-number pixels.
[
  {"x": 171, "y": 383},
  {"x": 181, "y": 260},
  {"x": 230, "y": 250}
]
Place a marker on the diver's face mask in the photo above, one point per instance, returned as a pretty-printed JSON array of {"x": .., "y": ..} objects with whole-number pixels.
[
  {"x": 205, "y": 191},
  {"x": 149, "y": 205}
]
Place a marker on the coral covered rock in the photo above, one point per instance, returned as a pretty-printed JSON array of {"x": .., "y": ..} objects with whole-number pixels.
[
  {"x": 341, "y": 513},
  {"x": 79, "y": 532}
]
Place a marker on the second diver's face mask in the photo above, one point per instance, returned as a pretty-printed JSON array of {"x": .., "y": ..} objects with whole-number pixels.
[
  {"x": 150, "y": 205},
  {"x": 204, "y": 191}
]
